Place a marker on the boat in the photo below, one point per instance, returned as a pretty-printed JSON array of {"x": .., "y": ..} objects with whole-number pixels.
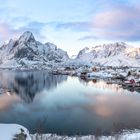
[{"x": 131, "y": 83}]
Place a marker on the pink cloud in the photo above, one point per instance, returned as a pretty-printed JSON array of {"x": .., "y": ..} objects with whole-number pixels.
[
  {"x": 121, "y": 23},
  {"x": 116, "y": 18}
]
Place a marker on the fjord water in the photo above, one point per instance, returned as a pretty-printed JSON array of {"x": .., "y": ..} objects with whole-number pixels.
[{"x": 59, "y": 104}]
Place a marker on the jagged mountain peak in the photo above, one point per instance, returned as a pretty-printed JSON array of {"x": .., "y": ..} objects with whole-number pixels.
[
  {"x": 104, "y": 50},
  {"x": 112, "y": 54},
  {"x": 26, "y": 37},
  {"x": 121, "y": 44},
  {"x": 115, "y": 45},
  {"x": 108, "y": 46},
  {"x": 26, "y": 51},
  {"x": 51, "y": 46}
]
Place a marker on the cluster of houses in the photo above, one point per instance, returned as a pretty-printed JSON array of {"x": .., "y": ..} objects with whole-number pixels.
[{"x": 128, "y": 77}]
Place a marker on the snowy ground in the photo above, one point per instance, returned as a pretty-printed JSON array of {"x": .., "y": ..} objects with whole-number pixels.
[
  {"x": 8, "y": 131},
  {"x": 133, "y": 135}
]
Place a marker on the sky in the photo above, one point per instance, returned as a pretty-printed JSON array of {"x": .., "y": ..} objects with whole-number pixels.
[{"x": 72, "y": 24}]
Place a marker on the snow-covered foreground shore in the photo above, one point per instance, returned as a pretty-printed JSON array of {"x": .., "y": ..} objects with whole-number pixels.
[
  {"x": 11, "y": 131},
  {"x": 133, "y": 135}
]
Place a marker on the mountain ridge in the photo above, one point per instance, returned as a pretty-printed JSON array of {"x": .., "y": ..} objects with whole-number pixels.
[
  {"x": 114, "y": 54},
  {"x": 27, "y": 50}
]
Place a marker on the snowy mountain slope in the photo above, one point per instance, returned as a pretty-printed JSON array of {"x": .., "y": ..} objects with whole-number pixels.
[
  {"x": 117, "y": 54},
  {"x": 26, "y": 50}
]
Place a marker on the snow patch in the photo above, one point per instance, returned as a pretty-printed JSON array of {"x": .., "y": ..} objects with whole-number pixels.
[{"x": 8, "y": 131}]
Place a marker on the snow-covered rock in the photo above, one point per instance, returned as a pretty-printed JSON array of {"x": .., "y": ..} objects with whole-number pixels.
[
  {"x": 9, "y": 131},
  {"x": 27, "y": 51},
  {"x": 117, "y": 54}
]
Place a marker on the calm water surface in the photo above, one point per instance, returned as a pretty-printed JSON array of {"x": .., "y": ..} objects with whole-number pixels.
[{"x": 48, "y": 103}]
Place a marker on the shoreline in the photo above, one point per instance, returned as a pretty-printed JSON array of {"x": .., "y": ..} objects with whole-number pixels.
[
  {"x": 11, "y": 131},
  {"x": 108, "y": 74},
  {"x": 126, "y": 135}
]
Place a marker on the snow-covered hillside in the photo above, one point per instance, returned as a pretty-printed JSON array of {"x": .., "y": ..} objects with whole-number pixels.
[
  {"x": 27, "y": 51},
  {"x": 17, "y": 132},
  {"x": 117, "y": 54},
  {"x": 13, "y": 132}
]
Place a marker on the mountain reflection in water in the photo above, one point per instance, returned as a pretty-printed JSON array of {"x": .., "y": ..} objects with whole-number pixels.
[
  {"x": 66, "y": 105},
  {"x": 28, "y": 84}
]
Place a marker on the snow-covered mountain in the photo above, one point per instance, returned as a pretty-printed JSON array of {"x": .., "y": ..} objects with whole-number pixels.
[
  {"x": 117, "y": 54},
  {"x": 27, "y": 51}
]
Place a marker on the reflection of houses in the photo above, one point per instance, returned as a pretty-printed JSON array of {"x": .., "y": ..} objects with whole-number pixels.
[
  {"x": 84, "y": 73},
  {"x": 94, "y": 80}
]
